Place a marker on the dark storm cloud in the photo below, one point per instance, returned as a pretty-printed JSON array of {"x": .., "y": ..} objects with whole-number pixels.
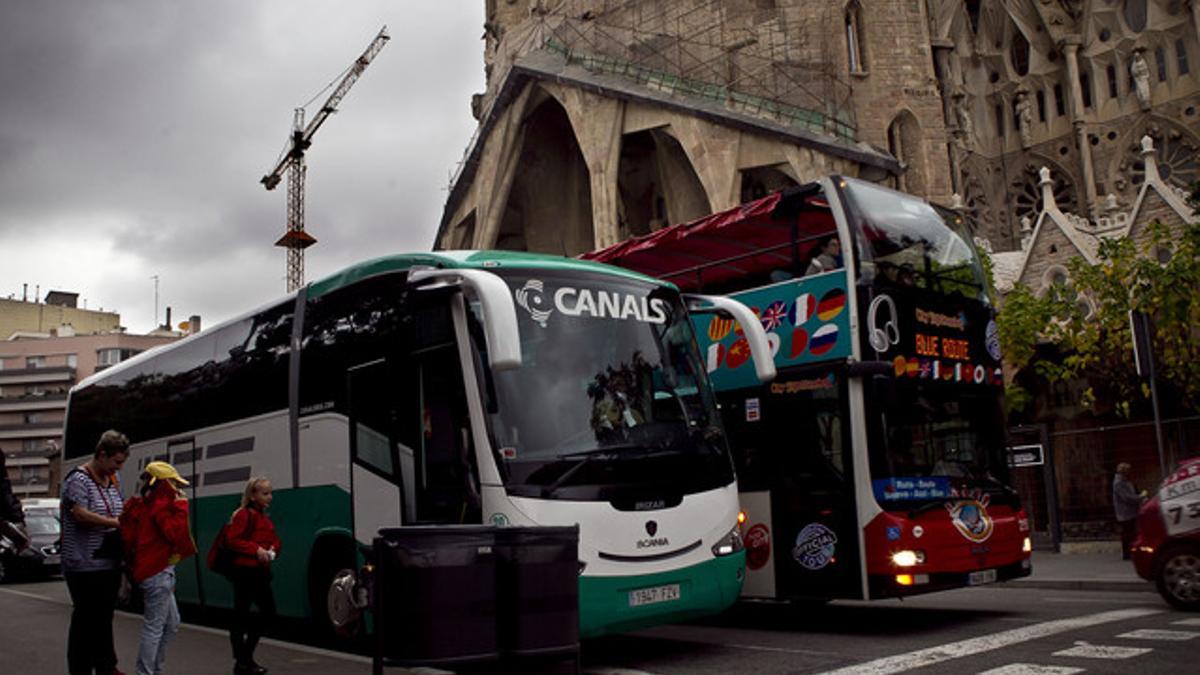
[{"x": 141, "y": 128}]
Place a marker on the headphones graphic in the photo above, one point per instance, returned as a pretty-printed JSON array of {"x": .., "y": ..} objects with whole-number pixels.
[{"x": 882, "y": 337}]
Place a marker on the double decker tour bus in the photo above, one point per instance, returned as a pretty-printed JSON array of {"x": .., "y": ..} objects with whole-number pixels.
[
  {"x": 446, "y": 388},
  {"x": 874, "y": 466}
]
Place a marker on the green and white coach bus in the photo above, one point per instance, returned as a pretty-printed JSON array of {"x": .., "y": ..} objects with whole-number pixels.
[{"x": 446, "y": 388}]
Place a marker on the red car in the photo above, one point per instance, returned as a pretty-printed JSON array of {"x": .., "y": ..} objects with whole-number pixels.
[{"x": 1167, "y": 548}]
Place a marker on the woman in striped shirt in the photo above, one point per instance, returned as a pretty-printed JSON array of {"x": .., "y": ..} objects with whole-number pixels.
[{"x": 92, "y": 555}]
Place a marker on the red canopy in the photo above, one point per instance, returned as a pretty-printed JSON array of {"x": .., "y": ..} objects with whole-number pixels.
[{"x": 746, "y": 241}]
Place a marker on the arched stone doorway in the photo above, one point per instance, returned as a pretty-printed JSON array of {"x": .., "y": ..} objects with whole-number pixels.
[
  {"x": 549, "y": 207},
  {"x": 656, "y": 184}
]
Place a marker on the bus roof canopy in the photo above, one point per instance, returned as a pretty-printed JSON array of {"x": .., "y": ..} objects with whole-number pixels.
[{"x": 775, "y": 232}]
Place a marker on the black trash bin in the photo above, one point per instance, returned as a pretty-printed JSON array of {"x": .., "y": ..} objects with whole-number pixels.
[
  {"x": 435, "y": 596},
  {"x": 537, "y": 572}
]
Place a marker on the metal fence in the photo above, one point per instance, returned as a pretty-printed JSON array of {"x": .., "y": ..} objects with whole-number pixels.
[{"x": 1069, "y": 495}]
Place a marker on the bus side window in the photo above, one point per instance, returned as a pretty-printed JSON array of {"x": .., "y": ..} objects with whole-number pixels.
[{"x": 446, "y": 481}]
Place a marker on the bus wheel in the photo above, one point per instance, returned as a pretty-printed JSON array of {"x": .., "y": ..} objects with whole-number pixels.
[{"x": 332, "y": 590}]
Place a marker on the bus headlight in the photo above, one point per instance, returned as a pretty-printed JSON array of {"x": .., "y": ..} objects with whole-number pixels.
[
  {"x": 908, "y": 558},
  {"x": 729, "y": 544}
]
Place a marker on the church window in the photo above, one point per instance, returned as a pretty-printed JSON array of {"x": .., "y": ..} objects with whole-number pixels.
[
  {"x": 1060, "y": 106},
  {"x": 1160, "y": 58},
  {"x": 1135, "y": 15},
  {"x": 854, "y": 38},
  {"x": 1181, "y": 55},
  {"x": 1000, "y": 119},
  {"x": 1018, "y": 53},
  {"x": 1085, "y": 89},
  {"x": 1041, "y": 105},
  {"x": 1111, "y": 71}
]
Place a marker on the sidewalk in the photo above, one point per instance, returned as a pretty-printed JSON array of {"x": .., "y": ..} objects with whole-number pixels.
[{"x": 1083, "y": 568}]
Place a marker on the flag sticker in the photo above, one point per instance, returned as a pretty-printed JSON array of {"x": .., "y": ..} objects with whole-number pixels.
[
  {"x": 799, "y": 342},
  {"x": 738, "y": 354},
  {"x": 773, "y": 315},
  {"x": 832, "y": 304},
  {"x": 823, "y": 339},
  {"x": 716, "y": 353},
  {"x": 719, "y": 327},
  {"x": 803, "y": 309}
]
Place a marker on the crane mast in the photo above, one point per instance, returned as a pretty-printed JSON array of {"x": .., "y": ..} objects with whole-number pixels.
[{"x": 295, "y": 239}]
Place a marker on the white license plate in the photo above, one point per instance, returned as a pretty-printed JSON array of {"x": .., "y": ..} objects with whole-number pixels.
[
  {"x": 981, "y": 577},
  {"x": 653, "y": 595}
]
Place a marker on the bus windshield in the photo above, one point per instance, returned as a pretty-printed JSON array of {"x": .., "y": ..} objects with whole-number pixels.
[
  {"x": 904, "y": 241},
  {"x": 927, "y": 443},
  {"x": 611, "y": 392}
]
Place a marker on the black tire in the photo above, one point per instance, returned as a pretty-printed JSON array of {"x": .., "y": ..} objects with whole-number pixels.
[
  {"x": 1178, "y": 577},
  {"x": 330, "y": 558}
]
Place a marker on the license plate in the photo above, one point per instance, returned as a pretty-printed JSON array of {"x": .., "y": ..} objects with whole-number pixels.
[
  {"x": 52, "y": 559},
  {"x": 981, "y": 577},
  {"x": 653, "y": 595}
]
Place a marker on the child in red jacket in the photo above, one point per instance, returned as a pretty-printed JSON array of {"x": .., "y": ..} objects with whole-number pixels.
[
  {"x": 154, "y": 528},
  {"x": 251, "y": 534}
]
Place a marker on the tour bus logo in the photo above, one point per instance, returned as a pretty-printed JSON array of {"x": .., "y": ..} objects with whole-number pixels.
[
  {"x": 530, "y": 298},
  {"x": 652, "y": 541},
  {"x": 970, "y": 516},
  {"x": 599, "y": 304}
]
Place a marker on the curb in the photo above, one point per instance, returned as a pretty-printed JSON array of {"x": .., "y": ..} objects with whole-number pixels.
[{"x": 1132, "y": 586}]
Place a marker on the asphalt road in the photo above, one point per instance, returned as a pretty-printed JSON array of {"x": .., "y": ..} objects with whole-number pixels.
[{"x": 996, "y": 630}]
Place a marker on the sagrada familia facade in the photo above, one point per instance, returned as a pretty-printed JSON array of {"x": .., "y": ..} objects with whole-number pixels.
[{"x": 605, "y": 119}]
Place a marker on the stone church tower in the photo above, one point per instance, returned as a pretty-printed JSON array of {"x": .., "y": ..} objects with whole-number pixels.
[{"x": 605, "y": 119}]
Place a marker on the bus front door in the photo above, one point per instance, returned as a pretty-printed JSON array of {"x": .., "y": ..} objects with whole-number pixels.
[
  {"x": 794, "y": 472},
  {"x": 377, "y": 457}
]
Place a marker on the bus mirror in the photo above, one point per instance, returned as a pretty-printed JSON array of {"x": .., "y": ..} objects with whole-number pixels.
[
  {"x": 756, "y": 337},
  {"x": 499, "y": 313}
]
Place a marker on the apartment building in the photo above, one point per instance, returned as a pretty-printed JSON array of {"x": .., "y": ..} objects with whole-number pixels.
[{"x": 37, "y": 369}]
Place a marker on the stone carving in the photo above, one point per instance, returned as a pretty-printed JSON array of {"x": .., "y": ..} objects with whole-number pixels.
[
  {"x": 966, "y": 127},
  {"x": 1141, "y": 78},
  {"x": 1024, "y": 112}
]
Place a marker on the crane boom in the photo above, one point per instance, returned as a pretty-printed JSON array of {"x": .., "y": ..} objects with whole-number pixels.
[
  {"x": 295, "y": 239},
  {"x": 301, "y": 142}
]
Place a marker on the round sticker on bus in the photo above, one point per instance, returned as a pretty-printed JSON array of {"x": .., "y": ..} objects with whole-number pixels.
[
  {"x": 758, "y": 546},
  {"x": 815, "y": 546}
]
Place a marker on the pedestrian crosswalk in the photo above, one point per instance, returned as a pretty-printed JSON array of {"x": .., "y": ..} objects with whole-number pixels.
[{"x": 1081, "y": 652}]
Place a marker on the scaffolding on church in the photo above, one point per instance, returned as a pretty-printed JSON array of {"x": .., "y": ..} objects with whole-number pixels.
[{"x": 770, "y": 64}]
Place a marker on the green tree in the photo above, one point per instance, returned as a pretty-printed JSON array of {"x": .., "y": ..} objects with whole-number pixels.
[{"x": 1086, "y": 320}]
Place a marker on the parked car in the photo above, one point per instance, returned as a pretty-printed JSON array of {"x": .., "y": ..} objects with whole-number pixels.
[
  {"x": 41, "y": 557},
  {"x": 1167, "y": 548}
]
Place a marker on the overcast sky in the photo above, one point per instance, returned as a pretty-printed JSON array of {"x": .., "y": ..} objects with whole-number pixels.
[{"x": 133, "y": 134}]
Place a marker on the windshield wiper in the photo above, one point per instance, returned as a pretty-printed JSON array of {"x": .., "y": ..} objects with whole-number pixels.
[{"x": 582, "y": 459}]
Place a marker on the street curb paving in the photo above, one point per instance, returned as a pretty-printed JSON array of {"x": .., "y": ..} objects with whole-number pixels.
[{"x": 1133, "y": 586}]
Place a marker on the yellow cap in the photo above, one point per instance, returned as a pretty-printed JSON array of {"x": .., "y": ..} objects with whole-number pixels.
[{"x": 159, "y": 470}]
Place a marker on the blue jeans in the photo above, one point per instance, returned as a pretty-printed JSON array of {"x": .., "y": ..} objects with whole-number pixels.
[{"x": 160, "y": 621}]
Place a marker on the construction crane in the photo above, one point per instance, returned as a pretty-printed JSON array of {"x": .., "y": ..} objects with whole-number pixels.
[{"x": 295, "y": 240}]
